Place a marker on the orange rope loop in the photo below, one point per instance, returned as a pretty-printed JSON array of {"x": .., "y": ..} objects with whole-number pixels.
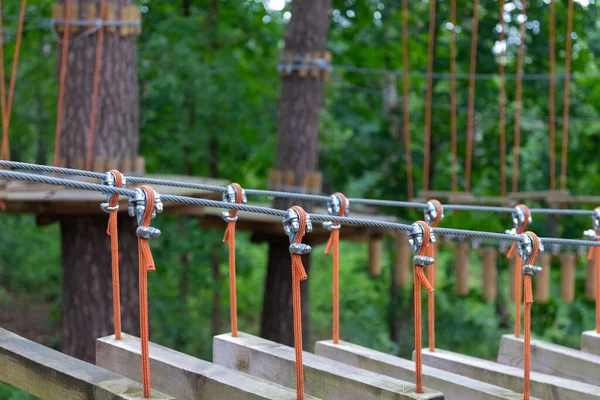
[
  {"x": 116, "y": 179},
  {"x": 521, "y": 217},
  {"x": 336, "y": 205},
  {"x": 594, "y": 254},
  {"x": 234, "y": 194},
  {"x": 295, "y": 224},
  {"x": 420, "y": 239},
  {"x": 144, "y": 205},
  {"x": 433, "y": 215}
]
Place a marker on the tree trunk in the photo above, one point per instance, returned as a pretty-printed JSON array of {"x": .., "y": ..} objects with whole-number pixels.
[
  {"x": 87, "y": 295},
  {"x": 299, "y": 114}
]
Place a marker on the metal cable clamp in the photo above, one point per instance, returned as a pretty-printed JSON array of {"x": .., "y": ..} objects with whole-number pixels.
[
  {"x": 525, "y": 248},
  {"x": 230, "y": 196},
  {"x": 137, "y": 208},
  {"x": 110, "y": 180},
  {"x": 431, "y": 212},
  {"x": 334, "y": 206},
  {"x": 291, "y": 226},
  {"x": 415, "y": 239}
]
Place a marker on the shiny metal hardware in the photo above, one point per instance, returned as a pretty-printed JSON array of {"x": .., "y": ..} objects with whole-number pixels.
[
  {"x": 415, "y": 239},
  {"x": 137, "y": 208},
  {"x": 431, "y": 213},
  {"x": 110, "y": 180},
  {"x": 291, "y": 226},
  {"x": 518, "y": 217},
  {"x": 591, "y": 233},
  {"x": 529, "y": 269},
  {"x": 334, "y": 205},
  {"x": 229, "y": 196},
  {"x": 525, "y": 248}
]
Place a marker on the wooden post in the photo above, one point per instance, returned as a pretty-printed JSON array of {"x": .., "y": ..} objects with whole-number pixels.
[
  {"x": 542, "y": 279},
  {"x": 590, "y": 280},
  {"x": 567, "y": 278},
  {"x": 403, "y": 256},
  {"x": 375, "y": 254},
  {"x": 490, "y": 268},
  {"x": 462, "y": 267}
]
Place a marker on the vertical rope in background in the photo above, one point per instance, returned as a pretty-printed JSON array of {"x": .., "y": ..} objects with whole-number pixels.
[
  {"x": 428, "y": 96},
  {"x": 471, "y": 106},
  {"x": 502, "y": 105},
  {"x": 552, "y": 106},
  {"x": 518, "y": 98},
  {"x": 565, "y": 130},
  {"x": 406, "y": 99},
  {"x": 453, "y": 134}
]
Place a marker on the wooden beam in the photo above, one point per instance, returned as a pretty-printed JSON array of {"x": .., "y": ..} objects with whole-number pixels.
[
  {"x": 543, "y": 386},
  {"x": 454, "y": 387},
  {"x": 590, "y": 342},
  {"x": 51, "y": 375},
  {"x": 184, "y": 377},
  {"x": 324, "y": 378},
  {"x": 551, "y": 359}
]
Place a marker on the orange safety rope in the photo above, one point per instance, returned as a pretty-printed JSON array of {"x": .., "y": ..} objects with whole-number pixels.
[
  {"x": 552, "y": 106},
  {"x": 431, "y": 278},
  {"x": 334, "y": 242},
  {"x": 502, "y": 105},
  {"x": 113, "y": 232},
  {"x": 594, "y": 254},
  {"x": 230, "y": 239},
  {"x": 406, "y": 99},
  {"x": 471, "y": 106},
  {"x": 146, "y": 263},
  {"x": 7, "y": 108},
  {"x": 453, "y": 140},
  {"x": 61, "y": 86},
  {"x": 428, "y": 95},
  {"x": 298, "y": 274},
  {"x": 527, "y": 328},
  {"x": 518, "y": 101},
  {"x": 565, "y": 130},
  {"x": 96, "y": 88},
  {"x": 518, "y": 272},
  {"x": 420, "y": 280}
]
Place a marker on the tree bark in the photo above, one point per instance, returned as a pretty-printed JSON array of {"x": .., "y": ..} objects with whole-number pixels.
[
  {"x": 87, "y": 297},
  {"x": 299, "y": 113}
]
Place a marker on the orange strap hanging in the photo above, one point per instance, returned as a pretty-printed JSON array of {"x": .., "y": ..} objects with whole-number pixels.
[
  {"x": 502, "y": 106},
  {"x": 594, "y": 254},
  {"x": 113, "y": 232},
  {"x": 420, "y": 280},
  {"x": 518, "y": 102},
  {"x": 298, "y": 275},
  {"x": 565, "y": 127},
  {"x": 7, "y": 105},
  {"x": 471, "y": 106},
  {"x": 96, "y": 89},
  {"x": 433, "y": 218},
  {"x": 453, "y": 134},
  {"x": 405, "y": 102},
  {"x": 518, "y": 267},
  {"x": 62, "y": 82},
  {"x": 551, "y": 95},
  {"x": 229, "y": 238},
  {"x": 428, "y": 95},
  {"x": 334, "y": 242}
]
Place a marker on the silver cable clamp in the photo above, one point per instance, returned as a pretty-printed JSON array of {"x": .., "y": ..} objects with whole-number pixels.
[
  {"x": 525, "y": 248},
  {"x": 591, "y": 233},
  {"x": 334, "y": 205},
  {"x": 137, "y": 208},
  {"x": 432, "y": 212},
  {"x": 415, "y": 239},
  {"x": 518, "y": 217},
  {"x": 229, "y": 196},
  {"x": 110, "y": 180},
  {"x": 291, "y": 226}
]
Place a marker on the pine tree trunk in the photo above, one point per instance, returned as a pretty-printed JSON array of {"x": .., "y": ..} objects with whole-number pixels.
[
  {"x": 299, "y": 113},
  {"x": 87, "y": 297}
]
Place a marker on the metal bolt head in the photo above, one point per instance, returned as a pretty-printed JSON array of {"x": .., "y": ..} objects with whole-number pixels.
[
  {"x": 334, "y": 205},
  {"x": 415, "y": 237},
  {"x": 230, "y": 195},
  {"x": 525, "y": 247},
  {"x": 431, "y": 213},
  {"x": 291, "y": 224},
  {"x": 147, "y": 232},
  {"x": 529, "y": 269}
]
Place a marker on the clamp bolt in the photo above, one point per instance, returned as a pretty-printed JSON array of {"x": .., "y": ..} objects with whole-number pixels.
[{"x": 529, "y": 269}]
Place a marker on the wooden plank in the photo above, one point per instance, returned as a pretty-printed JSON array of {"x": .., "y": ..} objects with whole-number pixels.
[
  {"x": 552, "y": 359},
  {"x": 454, "y": 387},
  {"x": 590, "y": 342},
  {"x": 51, "y": 375},
  {"x": 543, "y": 386},
  {"x": 323, "y": 378},
  {"x": 185, "y": 377}
]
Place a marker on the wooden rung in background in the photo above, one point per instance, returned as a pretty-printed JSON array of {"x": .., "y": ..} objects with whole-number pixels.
[
  {"x": 375, "y": 254},
  {"x": 463, "y": 248},
  {"x": 135, "y": 165},
  {"x": 590, "y": 280},
  {"x": 567, "y": 278},
  {"x": 512, "y": 265},
  {"x": 490, "y": 258},
  {"x": 58, "y": 13},
  {"x": 403, "y": 256},
  {"x": 542, "y": 279},
  {"x": 310, "y": 182}
]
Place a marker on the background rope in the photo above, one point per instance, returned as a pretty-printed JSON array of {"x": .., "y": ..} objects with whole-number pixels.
[
  {"x": 552, "y": 105},
  {"x": 431, "y": 277},
  {"x": 471, "y": 106},
  {"x": 502, "y": 106},
  {"x": 565, "y": 130},
  {"x": 527, "y": 329},
  {"x": 113, "y": 232},
  {"x": 453, "y": 135},
  {"x": 518, "y": 99},
  {"x": 428, "y": 95},
  {"x": 406, "y": 100}
]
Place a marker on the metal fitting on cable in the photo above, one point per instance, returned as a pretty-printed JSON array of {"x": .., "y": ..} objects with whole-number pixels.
[
  {"x": 518, "y": 218},
  {"x": 110, "y": 180},
  {"x": 433, "y": 212},
  {"x": 415, "y": 239},
  {"x": 291, "y": 227},
  {"x": 137, "y": 208},
  {"x": 334, "y": 206},
  {"x": 230, "y": 196},
  {"x": 591, "y": 233},
  {"x": 525, "y": 247}
]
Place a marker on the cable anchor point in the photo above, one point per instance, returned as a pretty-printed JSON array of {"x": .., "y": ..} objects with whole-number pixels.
[
  {"x": 525, "y": 248},
  {"x": 415, "y": 239},
  {"x": 291, "y": 227},
  {"x": 334, "y": 206},
  {"x": 110, "y": 180},
  {"x": 137, "y": 208},
  {"x": 230, "y": 196}
]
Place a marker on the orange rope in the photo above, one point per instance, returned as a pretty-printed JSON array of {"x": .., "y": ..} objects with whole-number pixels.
[
  {"x": 594, "y": 254},
  {"x": 518, "y": 273},
  {"x": 527, "y": 329},
  {"x": 431, "y": 278},
  {"x": 453, "y": 134},
  {"x": 114, "y": 249},
  {"x": 7, "y": 108},
  {"x": 405, "y": 103},
  {"x": 334, "y": 242},
  {"x": 502, "y": 105},
  {"x": 96, "y": 88},
  {"x": 298, "y": 274},
  {"x": 428, "y": 96},
  {"x": 518, "y": 101},
  {"x": 146, "y": 263},
  {"x": 552, "y": 106},
  {"x": 471, "y": 106},
  {"x": 565, "y": 130},
  {"x": 230, "y": 239},
  {"x": 420, "y": 280},
  {"x": 61, "y": 86}
]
